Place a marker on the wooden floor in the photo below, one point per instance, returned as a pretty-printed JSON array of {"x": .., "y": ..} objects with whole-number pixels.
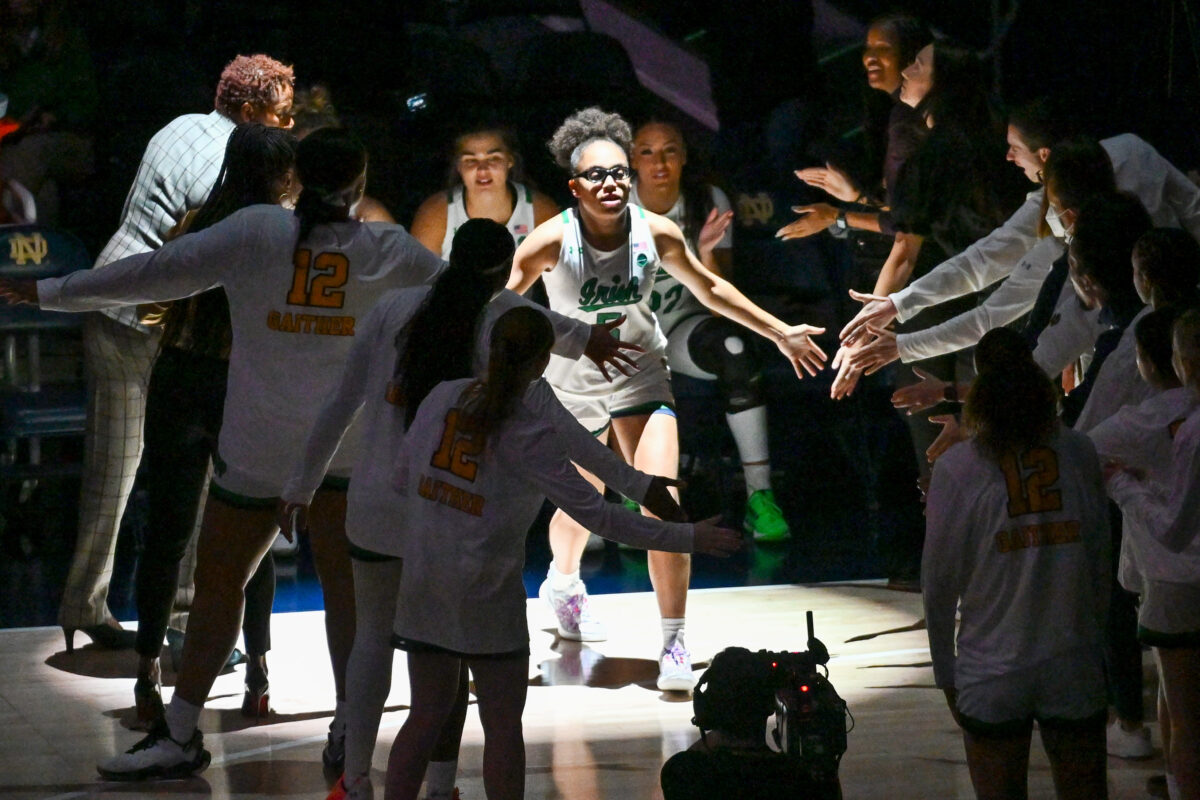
[{"x": 595, "y": 726}]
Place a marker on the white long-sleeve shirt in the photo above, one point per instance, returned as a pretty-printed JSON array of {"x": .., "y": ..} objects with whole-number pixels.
[
  {"x": 1141, "y": 438},
  {"x": 1012, "y": 298},
  {"x": 467, "y": 511},
  {"x": 1170, "y": 198},
  {"x": 292, "y": 325},
  {"x": 1070, "y": 334},
  {"x": 1117, "y": 383},
  {"x": 1171, "y": 517},
  {"x": 1021, "y": 551},
  {"x": 374, "y": 511}
]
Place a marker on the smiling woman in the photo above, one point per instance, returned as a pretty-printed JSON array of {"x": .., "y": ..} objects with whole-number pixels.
[{"x": 605, "y": 241}]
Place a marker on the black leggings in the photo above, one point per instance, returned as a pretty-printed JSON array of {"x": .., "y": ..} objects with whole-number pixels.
[
  {"x": 726, "y": 350},
  {"x": 183, "y": 417}
]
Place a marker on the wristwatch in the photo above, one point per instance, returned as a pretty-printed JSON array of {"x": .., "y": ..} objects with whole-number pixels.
[{"x": 840, "y": 225}]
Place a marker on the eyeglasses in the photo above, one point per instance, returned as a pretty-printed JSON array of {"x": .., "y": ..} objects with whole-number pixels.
[{"x": 619, "y": 173}]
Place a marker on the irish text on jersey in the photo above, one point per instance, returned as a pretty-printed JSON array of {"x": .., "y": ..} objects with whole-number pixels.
[{"x": 593, "y": 296}]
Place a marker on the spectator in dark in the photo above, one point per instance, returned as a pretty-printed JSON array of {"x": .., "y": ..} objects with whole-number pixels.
[{"x": 46, "y": 71}]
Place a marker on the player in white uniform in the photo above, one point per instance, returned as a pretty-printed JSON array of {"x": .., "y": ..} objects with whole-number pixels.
[
  {"x": 297, "y": 287},
  {"x": 479, "y": 462},
  {"x": 600, "y": 260},
  {"x": 1017, "y": 541},
  {"x": 1163, "y": 514},
  {"x": 420, "y": 324},
  {"x": 485, "y": 171},
  {"x": 699, "y": 344}
]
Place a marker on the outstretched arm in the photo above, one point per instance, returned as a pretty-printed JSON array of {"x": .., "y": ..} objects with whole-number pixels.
[{"x": 719, "y": 295}]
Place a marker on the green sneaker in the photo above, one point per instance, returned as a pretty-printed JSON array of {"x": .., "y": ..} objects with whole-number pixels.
[{"x": 764, "y": 518}]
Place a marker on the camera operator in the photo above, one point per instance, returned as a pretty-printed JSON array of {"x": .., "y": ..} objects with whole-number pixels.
[{"x": 732, "y": 759}]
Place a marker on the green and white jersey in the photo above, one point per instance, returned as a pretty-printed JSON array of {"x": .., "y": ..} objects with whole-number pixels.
[
  {"x": 671, "y": 301},
  {"x": 520, "y": 224},
  {"x": 598, "y": 287}
]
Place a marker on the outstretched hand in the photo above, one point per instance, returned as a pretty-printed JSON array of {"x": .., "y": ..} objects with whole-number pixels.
[
  {"x": 877, "y": 353},
  {"x": 713, "y": 540},
  {"x": 292, "y": 518},
  {"x": 813, "y": 219},
  {"x": 713, "y": 231},
  {"x": 19, "y": 291},
  {"x": 831, "y": 180},
  {"x": 606, "y": 350},
  {"x": 952, "y": 433},
  {"x": 806, "y": 356},
  {"x": 925, "y": 393},
  {"x": 660, "y": 502},
  {"x": 847, "y": 376},
  {"x": 877, "y": 310}
]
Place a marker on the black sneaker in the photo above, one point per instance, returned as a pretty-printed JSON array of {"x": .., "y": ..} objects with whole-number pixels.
[{"x": 157, "y": 757}]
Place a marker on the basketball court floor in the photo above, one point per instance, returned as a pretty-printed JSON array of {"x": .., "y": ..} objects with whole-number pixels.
[{"x": 595, "y": 725}]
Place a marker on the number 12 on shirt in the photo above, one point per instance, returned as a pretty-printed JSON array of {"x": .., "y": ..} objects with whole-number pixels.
[{"x": 322, "y": 289}]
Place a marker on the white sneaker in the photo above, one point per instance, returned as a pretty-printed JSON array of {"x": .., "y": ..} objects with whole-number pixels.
[
  {"x": 1129, "y": 744},
  {"x": 157, "y": 757},
  {"x": 675, "y": 669},
  {"x": 573, "y": 613}
]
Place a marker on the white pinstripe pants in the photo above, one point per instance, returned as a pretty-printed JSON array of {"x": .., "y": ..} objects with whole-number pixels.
[{"x": 117, "y": 359}]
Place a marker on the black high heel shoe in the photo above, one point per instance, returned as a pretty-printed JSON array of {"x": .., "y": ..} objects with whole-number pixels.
[
  {"x": 257, "y": 700},
  {"x": 147, "y": 696},
  {"x": 104, "y": 635}
]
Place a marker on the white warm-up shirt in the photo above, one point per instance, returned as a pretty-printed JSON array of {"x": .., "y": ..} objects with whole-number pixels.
[
  {"x": 374, "y": 511},
  {"x": 293, "y": 319},
  {"x": 1170, "y": 198},
  {"x": 467, "y": 509},
  {"x": 1171, "y": 517},
  {"x": 1141, "y": 437},
  {"x": 1021, "y": 550}
]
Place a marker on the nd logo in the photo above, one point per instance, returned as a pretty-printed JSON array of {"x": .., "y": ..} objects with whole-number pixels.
[
  {"x": 28, "y": 248},
  {"x": 755, "y": 209}
]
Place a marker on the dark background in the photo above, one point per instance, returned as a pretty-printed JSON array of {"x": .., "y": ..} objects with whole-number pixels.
[{"x": 1126, "y": 67}]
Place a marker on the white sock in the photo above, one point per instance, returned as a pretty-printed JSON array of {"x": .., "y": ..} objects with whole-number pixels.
[
  {"x": 182, "y": 718},
  {"x": 559, "y": 581},
  {"x": 672, "y": 631},
  {"x": 749, "y": 429},
  {"x": 439, "y": 778}
]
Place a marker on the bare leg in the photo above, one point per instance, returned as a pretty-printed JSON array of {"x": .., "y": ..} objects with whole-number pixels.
[
  {"x": 999, "y": 766},
  {"x": 331, "y": 557},
  {"x": 501, "y": 685},
  {"x": 433, "y": 680},
  {"x": 1078, "y": 760},
  {"x": 1180, "y": 667},
  {"x": 232, "y": 542},
  {"x": 654, "y": 443}
]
